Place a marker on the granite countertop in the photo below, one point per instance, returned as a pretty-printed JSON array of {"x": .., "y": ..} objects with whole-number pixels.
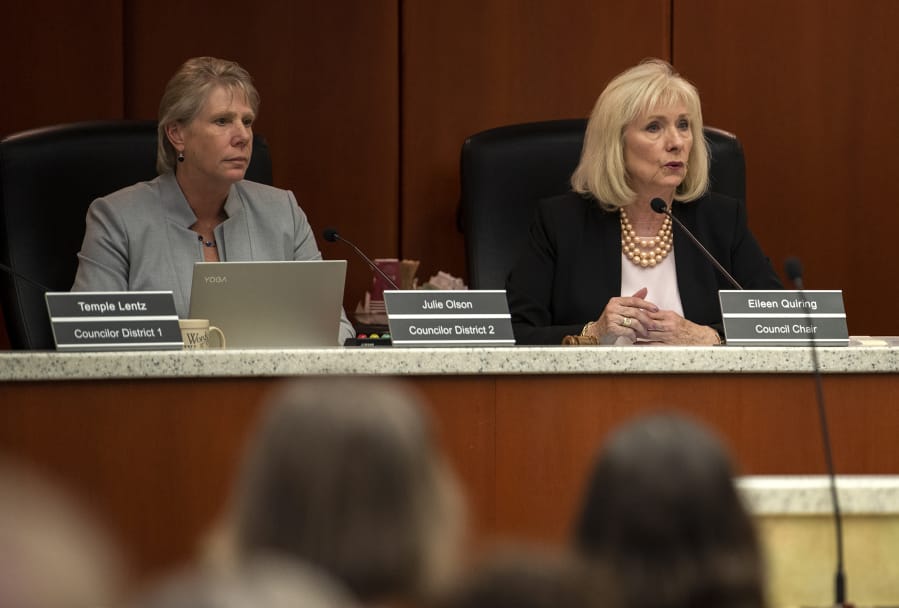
[
  {"x": 863, "y": 355},
  {"x": 810, "y": 495}
]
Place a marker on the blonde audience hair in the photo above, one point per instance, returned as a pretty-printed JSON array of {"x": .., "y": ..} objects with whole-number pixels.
[
  {"x": 652, "y": 84},
  {"x": 53, "y": 552},
  {"x": 266, "y": 582},
  {"x": 346, "y": 474},
  {"x": 186, "y": 93}
]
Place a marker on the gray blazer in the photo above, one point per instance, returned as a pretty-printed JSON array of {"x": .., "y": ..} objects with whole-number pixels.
[{"x": 139, "y": 238}]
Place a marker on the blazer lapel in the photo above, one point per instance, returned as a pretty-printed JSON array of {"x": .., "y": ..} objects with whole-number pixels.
[
  {"x": 235, "y": 231},
  {"x": 605, "y": 255},
  {"x": 695, "y": 274},
  {"x": 183, "y": 248}
]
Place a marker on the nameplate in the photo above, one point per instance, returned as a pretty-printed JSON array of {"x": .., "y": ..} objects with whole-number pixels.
[
  {"x": 784, "y": 318},
  {"x": 114, "y": 320},
  {"x": 427, "y": 317}
]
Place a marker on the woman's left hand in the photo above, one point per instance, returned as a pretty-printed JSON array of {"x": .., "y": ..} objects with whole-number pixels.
[{"x": 670, "y": 328}]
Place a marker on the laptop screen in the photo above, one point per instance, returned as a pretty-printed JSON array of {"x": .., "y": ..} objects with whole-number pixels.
[{"x": 271, "y": 304}]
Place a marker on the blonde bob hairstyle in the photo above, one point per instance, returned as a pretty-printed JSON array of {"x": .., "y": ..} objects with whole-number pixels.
[
  {"x": 651, "y": 85},
  {"x": 186, "y": 93}
]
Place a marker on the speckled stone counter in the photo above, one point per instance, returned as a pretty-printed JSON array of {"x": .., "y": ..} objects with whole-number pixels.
[
  {"x": 810, "y": 495},
  {"x": 864, "y": 355}
]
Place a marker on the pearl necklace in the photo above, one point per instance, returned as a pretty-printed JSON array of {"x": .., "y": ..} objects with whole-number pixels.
[{"x": 645, "y": 252}]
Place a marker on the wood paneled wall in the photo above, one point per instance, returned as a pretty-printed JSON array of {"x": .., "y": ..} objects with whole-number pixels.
[
  {"x": 469, "y": 66},
  {"x": 156, "y": 458},
  {"x": 366, "y": 104},
  {"x": 64, "y": 63},
  {"x": 811, "y": 87}
]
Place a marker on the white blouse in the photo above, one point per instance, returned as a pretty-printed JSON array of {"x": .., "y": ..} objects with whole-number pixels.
[{"x": 660, "y": 280}]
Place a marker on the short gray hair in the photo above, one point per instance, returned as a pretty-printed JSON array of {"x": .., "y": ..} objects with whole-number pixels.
[{"x": 186, "y": 93}]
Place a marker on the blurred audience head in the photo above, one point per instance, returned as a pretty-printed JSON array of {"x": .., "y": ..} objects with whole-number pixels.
[
  {"x": 346, "y": 475},
  {"x": 529, "y": 577},
  {"x": 53, "y": 554},
  {"x": 260, "y": 583},
  {"x": 662, "y": 512}
]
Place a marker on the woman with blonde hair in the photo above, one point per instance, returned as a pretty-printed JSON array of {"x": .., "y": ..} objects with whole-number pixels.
[
  {"x": 147, "y": 237},
  {"x": 601, "y": 262}
]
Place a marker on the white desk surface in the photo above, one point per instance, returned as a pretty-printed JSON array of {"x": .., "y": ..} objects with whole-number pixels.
[{"x": 863, "y": 355}]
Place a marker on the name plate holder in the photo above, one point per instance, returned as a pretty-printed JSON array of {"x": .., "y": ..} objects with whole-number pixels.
[
  {"x": 114, "y": 321},
  {"x": 430, "y": 317},
  {"x": 784, "y": 317}
]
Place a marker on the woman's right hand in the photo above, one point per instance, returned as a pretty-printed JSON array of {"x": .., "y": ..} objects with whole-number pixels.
[{"x": 623, "y": 317}]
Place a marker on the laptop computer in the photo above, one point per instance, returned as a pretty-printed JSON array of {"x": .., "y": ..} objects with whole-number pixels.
[{"x": 271, "y": 304}]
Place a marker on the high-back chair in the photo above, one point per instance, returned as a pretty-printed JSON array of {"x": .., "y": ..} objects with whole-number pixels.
[
  {"x": 48, "y": 178},
  {"x": 506, "y": 170}
]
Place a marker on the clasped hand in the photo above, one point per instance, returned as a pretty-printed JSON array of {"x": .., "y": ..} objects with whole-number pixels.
[{"x": 636, "y": 318}]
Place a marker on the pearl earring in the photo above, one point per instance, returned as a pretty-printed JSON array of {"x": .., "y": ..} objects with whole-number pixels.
[{"x": 180, "y": 157}]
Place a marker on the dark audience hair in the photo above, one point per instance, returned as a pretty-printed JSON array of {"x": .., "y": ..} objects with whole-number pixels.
[
  {"x": 345, "y": 474},
  {"x": 528, "y": 577},
  {"x": 662, "y": 512}
]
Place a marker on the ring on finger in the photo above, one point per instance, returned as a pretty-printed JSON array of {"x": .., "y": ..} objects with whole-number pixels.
[{"x": 626, "y": 322}]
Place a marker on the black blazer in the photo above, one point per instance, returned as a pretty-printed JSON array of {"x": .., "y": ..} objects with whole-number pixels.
[{"x": 572, "y": 266}]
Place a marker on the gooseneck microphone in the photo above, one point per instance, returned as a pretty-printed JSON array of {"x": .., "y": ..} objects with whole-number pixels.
[
  {"x": 660, "y": 206},
  {"x": 331, "y": 235},
  {"x": 793, "y": 268}
]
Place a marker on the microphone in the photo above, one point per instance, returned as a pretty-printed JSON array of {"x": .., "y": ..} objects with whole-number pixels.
[
  {"x": 32, "y": 282},
  {"x": 660, "y": 206},
  {"x": 793, "y": 268},
  {"x": 331, "y": 235}
]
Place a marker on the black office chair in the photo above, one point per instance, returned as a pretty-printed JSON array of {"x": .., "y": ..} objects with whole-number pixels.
[
  {"x": 506, "y": 170},
  {"x": 48, "y": 178}
]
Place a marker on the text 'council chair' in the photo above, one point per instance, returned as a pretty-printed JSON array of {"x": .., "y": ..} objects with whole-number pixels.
[
  {"x": 506, "y": 170},
  {"x": 48, "y": 178}
]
